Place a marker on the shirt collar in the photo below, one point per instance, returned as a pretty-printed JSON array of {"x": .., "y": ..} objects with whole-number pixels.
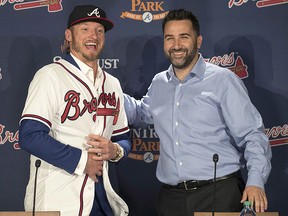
[
  {"x": 88, "y": 71},
  {"x": 199, "y": 67}
]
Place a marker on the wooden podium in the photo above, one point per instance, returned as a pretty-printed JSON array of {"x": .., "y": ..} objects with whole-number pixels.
[
  {"x": 37, "y": 213},
  {"x": 233, "y": 214}
]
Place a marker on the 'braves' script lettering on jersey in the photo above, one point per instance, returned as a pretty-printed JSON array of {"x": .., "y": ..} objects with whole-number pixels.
[{"x": 72, "y": 99}]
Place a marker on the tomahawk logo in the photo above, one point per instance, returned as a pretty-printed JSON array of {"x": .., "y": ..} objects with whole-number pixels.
[
  {"x": 95, "y": 12},
  {"x": 52, "y": 5},
  {"x": 259, "y": 4}
]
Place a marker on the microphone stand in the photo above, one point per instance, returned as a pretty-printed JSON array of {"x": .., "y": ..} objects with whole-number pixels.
[
  {"x": 37, "y": 165},
  {"x": 215, "y": 159}
]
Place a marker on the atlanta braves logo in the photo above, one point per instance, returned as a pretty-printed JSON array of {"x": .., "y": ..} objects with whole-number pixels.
[
  {"x": 52, "y": 5},
  {"x": 95, "y": 12},
  {"x": 72, "y": 99}
]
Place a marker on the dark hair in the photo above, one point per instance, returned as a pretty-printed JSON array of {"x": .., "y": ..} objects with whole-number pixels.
[{"x": 182, "y": 14}]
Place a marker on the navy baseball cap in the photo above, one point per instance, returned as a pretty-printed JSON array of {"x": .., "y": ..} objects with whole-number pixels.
[{"x": 84, "y": 13}]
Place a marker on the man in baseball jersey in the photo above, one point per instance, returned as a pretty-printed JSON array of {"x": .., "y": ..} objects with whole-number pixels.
[{"x": 74, "y": 122}]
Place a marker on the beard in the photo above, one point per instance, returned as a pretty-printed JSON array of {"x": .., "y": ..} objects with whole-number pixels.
[
  {"x": 77, "y": 48},
  {"x": 181, "y": 63}
]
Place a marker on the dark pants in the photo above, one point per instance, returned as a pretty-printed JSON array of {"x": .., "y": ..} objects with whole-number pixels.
[
  {"x": 101, "y": 206},
  {"x": 179, "y": 202}
]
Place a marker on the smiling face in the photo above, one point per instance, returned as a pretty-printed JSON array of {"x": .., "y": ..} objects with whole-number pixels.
[
  {"x": 86, "y": 41},
  {"x": 181, "y": 44}
]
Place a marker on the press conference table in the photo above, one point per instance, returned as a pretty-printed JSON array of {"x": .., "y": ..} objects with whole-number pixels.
[
  {"x": 15, "y": 213},
  {"x": 233, "y": 214},
  {"x": 56, "y": 213}
]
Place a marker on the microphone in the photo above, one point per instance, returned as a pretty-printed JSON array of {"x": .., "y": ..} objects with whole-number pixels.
[
  {"x": 37, "y": 165},
  {"x": 215, "y": 159}
]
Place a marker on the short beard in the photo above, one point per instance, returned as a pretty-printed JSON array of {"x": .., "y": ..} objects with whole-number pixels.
[
  {"x": 187, "y": 59},
  {"x": 76, "y": 47},
  {"x": 90, "y": 57}
]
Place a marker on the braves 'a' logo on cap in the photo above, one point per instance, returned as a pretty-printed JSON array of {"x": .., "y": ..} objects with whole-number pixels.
[{"x": 95, "y": 12}]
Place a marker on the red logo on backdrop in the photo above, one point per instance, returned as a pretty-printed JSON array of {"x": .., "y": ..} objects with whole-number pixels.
[
  {"x": 235, "y": 65},
  {"x": 236, "y": 3},
  {"x": 268, "y": 3},
  {"x": 278, "y": 135},
  {"x": 259, "y": 4},
  {"x": 52, "y": 5}
]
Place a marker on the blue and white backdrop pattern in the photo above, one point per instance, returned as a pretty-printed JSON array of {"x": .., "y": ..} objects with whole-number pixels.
[{"x": 250, "y": 37}]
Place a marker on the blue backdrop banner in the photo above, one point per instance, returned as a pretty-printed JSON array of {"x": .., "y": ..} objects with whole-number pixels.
[{"x": 250, "y": 37}]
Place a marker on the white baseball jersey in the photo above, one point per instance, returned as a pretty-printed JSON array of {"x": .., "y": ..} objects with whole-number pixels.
[{"x": 64, "y": 98}]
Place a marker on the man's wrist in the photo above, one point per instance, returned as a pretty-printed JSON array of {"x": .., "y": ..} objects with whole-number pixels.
[{"x": 119, "y": 153}]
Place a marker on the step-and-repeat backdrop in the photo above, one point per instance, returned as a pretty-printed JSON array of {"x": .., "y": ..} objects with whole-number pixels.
[{"x": 250, "y": 37}]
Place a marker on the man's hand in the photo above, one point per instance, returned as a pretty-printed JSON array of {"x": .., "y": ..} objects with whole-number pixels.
[
  {"x": 93, "y": 167},
  {"x": 102, "y": 148},
  {"x": 257, "y": 197}
]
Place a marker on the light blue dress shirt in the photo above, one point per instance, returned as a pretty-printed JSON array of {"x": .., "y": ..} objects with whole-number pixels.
[{"x": 208, "y": 112}]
